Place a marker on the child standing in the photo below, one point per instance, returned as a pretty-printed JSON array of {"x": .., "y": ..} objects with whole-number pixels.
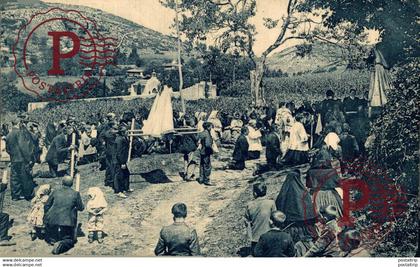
[
  {"x": 36, "y": 216},
  {"x": 96, "y": 207}
]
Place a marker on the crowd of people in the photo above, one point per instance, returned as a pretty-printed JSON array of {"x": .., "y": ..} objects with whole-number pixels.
[{"x": 327, "y": 135}]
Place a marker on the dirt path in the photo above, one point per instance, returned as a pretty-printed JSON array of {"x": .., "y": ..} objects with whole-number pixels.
[
  {"x": 133, "y": 224},
  {"x": 203, "y": 203}
]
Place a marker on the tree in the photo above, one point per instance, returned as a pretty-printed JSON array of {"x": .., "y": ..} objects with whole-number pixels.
[
  {"x": 397, "y": 21},
  {"x": 119, "y": 86},
  {"x": 230, "y": 24},
  {"x": 134, "y": 57},
  {"x": 11, "y": 98},
  {"x": 120, "y": 58}
]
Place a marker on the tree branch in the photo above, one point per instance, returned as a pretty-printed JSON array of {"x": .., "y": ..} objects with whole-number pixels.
[{"x": 278, "y": 42}]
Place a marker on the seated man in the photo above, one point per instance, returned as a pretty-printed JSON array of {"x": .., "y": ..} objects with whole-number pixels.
[
  {"x": 178, "y": 239},
  {"x": 257, "y": 214},
  {"x": 5, "y": 223},
  {"x": 61, "y": 216},
  {"x": 275, "y": 242}
]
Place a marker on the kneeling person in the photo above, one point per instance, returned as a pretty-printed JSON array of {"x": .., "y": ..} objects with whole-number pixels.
[{"x": 275, "y": 242}]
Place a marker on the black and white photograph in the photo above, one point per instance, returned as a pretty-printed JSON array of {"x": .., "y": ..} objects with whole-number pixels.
[{"x": 210, "y": 129}]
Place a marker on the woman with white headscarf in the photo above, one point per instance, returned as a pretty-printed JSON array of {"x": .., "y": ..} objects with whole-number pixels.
[
  {"x": 323, "y": 177},
  {"x": 36, "y": 216},
  {"x": 216, "y": 130},
  {"x": 96, "y": 207}
]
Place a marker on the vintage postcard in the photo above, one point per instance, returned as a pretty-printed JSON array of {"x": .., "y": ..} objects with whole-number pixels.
[{"x": 209, "y": 128}]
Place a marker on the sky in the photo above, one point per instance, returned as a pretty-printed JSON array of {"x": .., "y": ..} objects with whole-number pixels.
[{"x": 151, "y": 14}]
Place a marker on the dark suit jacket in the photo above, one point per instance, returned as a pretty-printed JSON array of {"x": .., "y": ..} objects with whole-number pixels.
[
  {"x": 20, "y": 145},
  {"x": 58, "y": 150},
  {"x": 62, "y": 206},
  {"x": 272, "y": 147},
  {"x": 349, "y": 146},
  {"x": 206, "y": 143},
  {"x": 275, "y": 243},
  {"x": 240, "y": 153},
  {"x": 120, "y": 150},
  {"x": 177, "y": 240},
  {"x": 109, "y": 139}
]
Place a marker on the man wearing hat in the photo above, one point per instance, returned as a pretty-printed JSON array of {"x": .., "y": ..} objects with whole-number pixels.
[
  {"x": 206, "y": 150},
  {"x": 120, "y": 172},
  {"x": 106, "y": 136},
  {"x": 61, "y": 216},
  {"x": 327, "y": 105},
  {"x": 21, "y": 148},
  {"x": 59, "y": 151}
]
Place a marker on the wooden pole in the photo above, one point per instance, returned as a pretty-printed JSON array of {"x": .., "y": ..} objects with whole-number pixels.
[
  {"x": 4, "y": 180},
  {"x": 77, "y": 182},
  {"x": 181, "y": 80},
  {"x": 130, "y": 147},
  {"x": 73, "y": 151},
  {"x": 77, "y": 188},
  {"x": 312, "y": 130}
]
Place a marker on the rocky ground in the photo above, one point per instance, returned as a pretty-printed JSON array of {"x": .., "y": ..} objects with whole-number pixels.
[{"x": 132, "y": 225}]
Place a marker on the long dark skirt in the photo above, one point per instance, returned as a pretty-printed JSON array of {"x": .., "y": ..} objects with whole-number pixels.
[
  {"x": 254, "y": 155},
  {"x": 295, "y": 157}
]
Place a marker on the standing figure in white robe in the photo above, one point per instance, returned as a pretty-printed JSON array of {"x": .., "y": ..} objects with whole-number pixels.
[
  {"x": 298, "y": 146},
  {"x": 160, "y": 120}
]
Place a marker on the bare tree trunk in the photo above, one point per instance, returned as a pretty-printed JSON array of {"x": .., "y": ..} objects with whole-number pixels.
[
  {"x": 256, "y": 77},
  {"x": 181, "y": 80}
]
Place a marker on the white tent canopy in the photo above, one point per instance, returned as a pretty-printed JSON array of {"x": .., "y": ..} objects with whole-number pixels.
[{"x": 160, "y": 120}]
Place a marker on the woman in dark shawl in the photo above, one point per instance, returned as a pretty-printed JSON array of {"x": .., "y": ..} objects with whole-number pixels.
[
  {"x": 323, "y": 176},
  {"x": 295, "y": 202}
]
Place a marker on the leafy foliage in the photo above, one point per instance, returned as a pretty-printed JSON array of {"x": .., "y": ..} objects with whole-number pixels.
[
  {"x": 397, "y": 20},
  {"x": 11, "y": 98},
  {"x": 396, "y": 130}
]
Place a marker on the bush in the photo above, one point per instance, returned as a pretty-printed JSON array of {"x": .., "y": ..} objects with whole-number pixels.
[
  {"x": 11, "y": 98},
  {"x": 396, "y": 144}
]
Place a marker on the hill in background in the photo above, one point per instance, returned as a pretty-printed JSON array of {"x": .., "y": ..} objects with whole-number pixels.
[
  {"x": 148, "y": 42},
  {"x": 323, "y": 58}
]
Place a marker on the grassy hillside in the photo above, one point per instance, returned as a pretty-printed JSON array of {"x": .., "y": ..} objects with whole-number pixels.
[{"x": 323, "y": 57}]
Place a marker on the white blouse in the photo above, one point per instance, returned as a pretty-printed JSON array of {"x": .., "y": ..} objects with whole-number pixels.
[
  {"x": 254, "y": 139},
  {"x": 298, "y": 137}
]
